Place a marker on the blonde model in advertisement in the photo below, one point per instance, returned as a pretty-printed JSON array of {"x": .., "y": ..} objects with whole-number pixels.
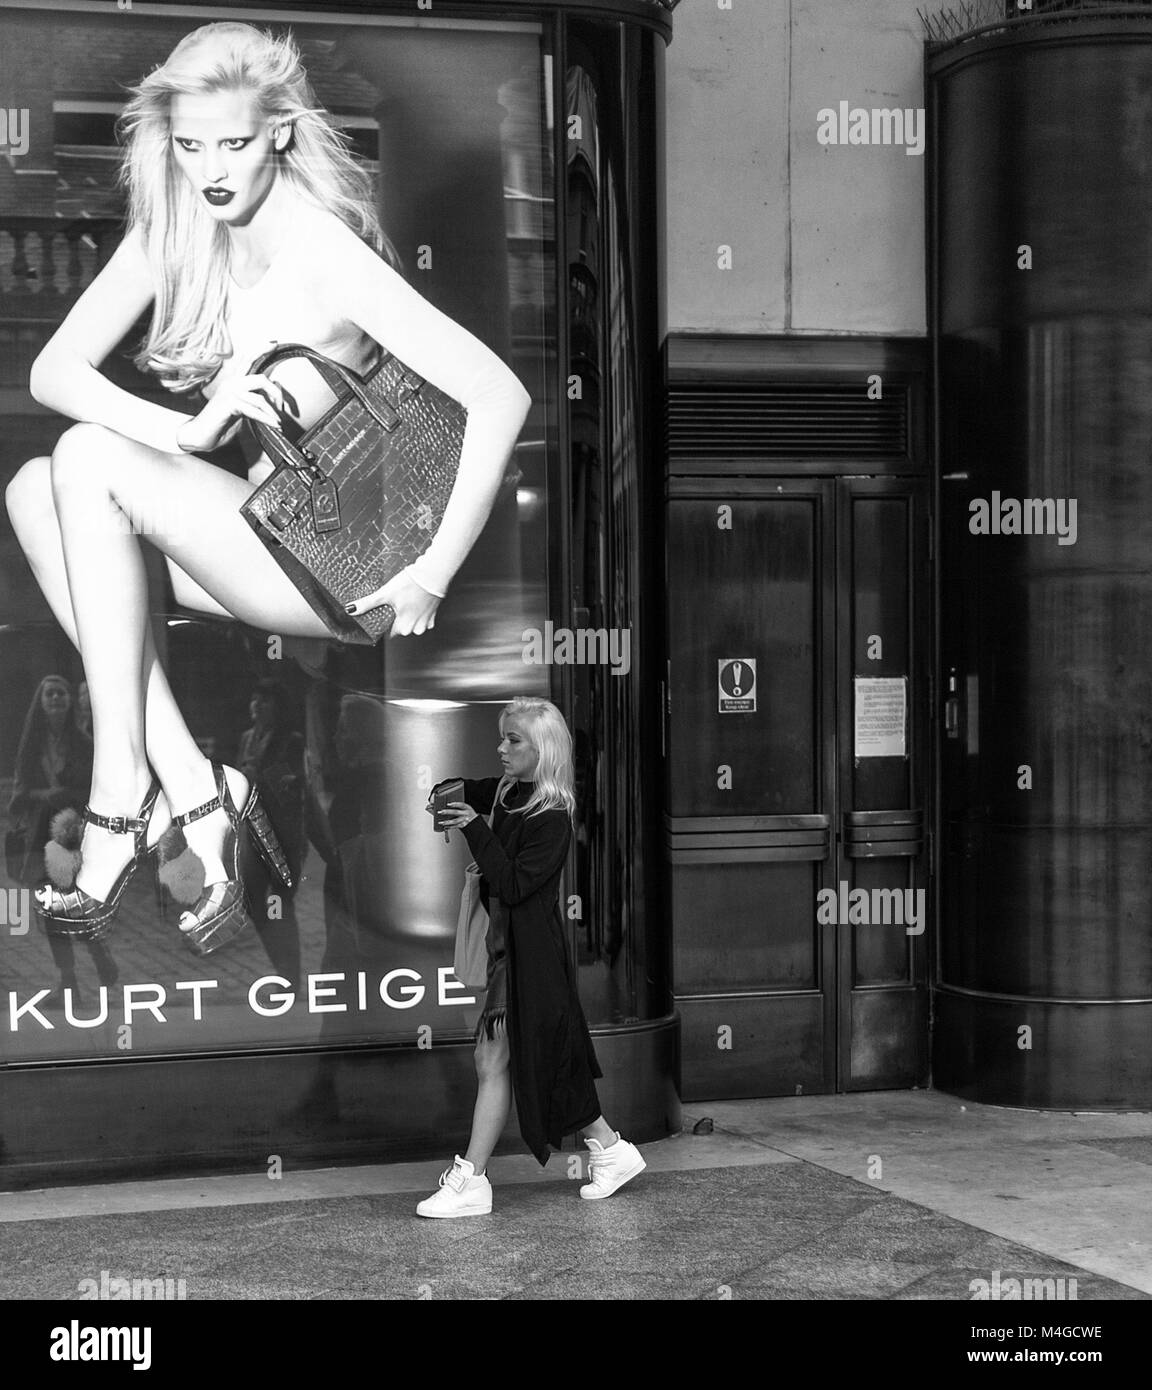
[{"x": 249, "y": 224}]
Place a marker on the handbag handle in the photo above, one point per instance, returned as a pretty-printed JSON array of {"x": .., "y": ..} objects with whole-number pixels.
[{"x": 340, "y": 379}]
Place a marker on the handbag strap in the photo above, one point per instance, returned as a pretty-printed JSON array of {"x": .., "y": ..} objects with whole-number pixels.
[{"x": 343, "y": 382}]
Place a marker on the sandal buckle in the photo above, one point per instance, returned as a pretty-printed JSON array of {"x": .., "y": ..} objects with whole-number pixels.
[{"x": 118, "y": 825}]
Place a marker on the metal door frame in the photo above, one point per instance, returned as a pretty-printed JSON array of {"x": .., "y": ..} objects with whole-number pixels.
[{"x": 904, "y": 365}]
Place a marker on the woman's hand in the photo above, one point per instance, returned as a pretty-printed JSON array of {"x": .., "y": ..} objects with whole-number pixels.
[
  {"x": 255, "y": 397},
  {"x": 456, "y": 815},
  {"x": 414, "y": 606}
]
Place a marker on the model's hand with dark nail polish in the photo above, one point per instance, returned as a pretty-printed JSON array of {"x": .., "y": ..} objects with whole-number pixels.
[{"x": 415, "y": 607}]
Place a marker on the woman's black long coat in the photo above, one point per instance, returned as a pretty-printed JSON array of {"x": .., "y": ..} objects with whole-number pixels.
[{"x": 552, "y": 1061}]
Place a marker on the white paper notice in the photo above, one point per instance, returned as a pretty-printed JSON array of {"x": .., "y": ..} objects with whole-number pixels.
[{"x": 881, "y": 710}]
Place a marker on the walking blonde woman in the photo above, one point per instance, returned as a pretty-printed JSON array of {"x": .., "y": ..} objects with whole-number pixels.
[
  {"x": 532, "y": 1039},
  {"x": 249, "y": 224}
]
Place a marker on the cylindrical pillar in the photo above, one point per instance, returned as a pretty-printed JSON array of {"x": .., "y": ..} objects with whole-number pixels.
[{"x": 1041, "y": 222}]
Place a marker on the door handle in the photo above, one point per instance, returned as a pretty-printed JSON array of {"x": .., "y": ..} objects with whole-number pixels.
[
  {"x": 883, "y": 834},
  {"x": 952, "y": 707}
]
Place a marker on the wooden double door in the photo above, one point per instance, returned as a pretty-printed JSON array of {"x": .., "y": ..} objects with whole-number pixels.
[{"x": 797, "y": 822}]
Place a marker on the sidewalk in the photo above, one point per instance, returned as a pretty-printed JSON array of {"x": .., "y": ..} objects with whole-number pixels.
[{"x": 776, "y": 1203}]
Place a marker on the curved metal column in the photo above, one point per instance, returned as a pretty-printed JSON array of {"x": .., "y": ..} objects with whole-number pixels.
[{"x": 1042, "y": 217}]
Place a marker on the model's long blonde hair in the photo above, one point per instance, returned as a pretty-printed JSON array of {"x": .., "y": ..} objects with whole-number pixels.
[
  {"x": 188, "y": 250},
  {"x": 553, "y": 778}
]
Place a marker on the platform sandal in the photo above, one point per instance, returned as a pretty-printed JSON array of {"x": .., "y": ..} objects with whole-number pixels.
[
  {"x": 75, "y": 913},
  {"x": 221, "y": 911}
]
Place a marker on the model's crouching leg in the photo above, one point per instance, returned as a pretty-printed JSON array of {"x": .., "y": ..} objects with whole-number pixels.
[
  {"x": 32, "y": 509},
  {"x": 28, "y": 498},
  {"x": 109, "y": 492},
  {"x": 104, "y": 611},
  {"x": 107, "y": 585}
]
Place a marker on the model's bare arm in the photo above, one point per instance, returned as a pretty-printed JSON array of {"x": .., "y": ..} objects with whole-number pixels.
[
  {"x": 373, "y": 296},
  {"x": 66, "y": 376}
]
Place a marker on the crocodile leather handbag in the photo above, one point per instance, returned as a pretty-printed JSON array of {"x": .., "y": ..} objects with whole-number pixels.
[{"x": 362, "y": 492}]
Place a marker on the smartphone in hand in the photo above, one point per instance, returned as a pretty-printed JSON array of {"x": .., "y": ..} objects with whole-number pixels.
[{"x": 450, "y": 791}]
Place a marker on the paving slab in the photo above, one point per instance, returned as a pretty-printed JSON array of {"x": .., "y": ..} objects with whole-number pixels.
[{"x": 769, "y": 1231}]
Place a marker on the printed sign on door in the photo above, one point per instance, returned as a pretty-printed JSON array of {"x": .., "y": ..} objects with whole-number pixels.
[{"x": 736, "y": 685}]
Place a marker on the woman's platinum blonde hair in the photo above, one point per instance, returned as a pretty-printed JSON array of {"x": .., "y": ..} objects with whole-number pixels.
[
  {"x": 548, "y": 733},
  {"x": 188, "y": 250}
]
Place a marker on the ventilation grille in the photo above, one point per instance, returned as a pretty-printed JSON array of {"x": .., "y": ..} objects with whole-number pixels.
[{"x": 785, "y": 420}]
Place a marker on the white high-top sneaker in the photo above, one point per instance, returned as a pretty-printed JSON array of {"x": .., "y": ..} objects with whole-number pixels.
[
  {"x": 611, "y": 1167},
  {"x": 461, "y": 1193}
]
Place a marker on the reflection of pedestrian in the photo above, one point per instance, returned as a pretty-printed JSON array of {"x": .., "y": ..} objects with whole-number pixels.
[
  {"x": 53, "y": 766},
  {"x": 271, "y": 755},
  {"x": 352, "y": 877},
  {"x": 53, "y": 769},
  {"x": 83, "y": 709},
  {"x": 532, "y": 1038}
]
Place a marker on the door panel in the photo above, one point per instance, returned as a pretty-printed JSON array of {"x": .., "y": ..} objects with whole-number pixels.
[
  {"x": 744, "y": 581},
  {"x": 767, "y": 941},
  {"x": 772, "y": 1053},
  {"x": 749, "y": 829},
  {"x": 882, "y": 628}
]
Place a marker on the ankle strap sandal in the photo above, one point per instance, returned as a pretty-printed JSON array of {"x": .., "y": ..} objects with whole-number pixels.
[
  {"x": 78, "y": 914},
  {"x": 221, "y": 911}
]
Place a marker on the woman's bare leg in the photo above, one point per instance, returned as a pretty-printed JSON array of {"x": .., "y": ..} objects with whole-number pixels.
[
  {"x": 493, "y": 1099},
  {"x": 601, "y": 1131},
  {"x": 190, "y": 511}
]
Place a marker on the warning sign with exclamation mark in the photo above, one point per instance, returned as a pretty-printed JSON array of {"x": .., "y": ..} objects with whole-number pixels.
[{"x": 736, "y": 685}]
